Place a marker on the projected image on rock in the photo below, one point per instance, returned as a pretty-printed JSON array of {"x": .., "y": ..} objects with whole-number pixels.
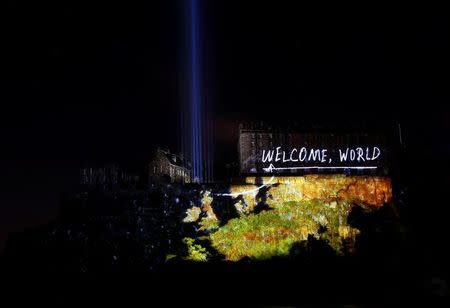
[
  {"x": 293, "y": 188},
  {"x": 281, "y": 213}
]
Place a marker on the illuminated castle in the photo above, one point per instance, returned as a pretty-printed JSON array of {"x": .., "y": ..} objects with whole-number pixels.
[
  {"x": 296, "y": 150},
  {"x": 169, "y": 167}
]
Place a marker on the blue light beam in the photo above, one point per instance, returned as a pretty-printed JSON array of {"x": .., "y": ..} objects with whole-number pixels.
[{"x": 196, "y": 102}]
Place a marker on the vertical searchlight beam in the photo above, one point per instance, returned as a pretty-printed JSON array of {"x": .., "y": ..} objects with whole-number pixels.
[{"x": 196, "y": 102}]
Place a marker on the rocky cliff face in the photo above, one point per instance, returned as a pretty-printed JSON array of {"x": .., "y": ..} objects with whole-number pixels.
[
  {"x": 368, "y": 191},
  {"x": 274, "y": 214}
]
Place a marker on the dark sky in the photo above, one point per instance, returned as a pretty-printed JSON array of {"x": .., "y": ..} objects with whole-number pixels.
[{"x": 85, "y": 81}]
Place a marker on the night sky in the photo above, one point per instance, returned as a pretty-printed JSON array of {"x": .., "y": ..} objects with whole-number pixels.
[{"x": 84, "y": 82}]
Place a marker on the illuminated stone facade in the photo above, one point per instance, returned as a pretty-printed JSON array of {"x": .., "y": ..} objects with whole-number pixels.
[
  {"x": 168, "y": 167},
  {"x": 298, "y": 152}
]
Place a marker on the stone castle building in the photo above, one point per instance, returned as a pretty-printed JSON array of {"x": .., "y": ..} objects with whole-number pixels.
[
  {"x": 255, "y": 138},
  {"x": 169, "y": 167}
]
